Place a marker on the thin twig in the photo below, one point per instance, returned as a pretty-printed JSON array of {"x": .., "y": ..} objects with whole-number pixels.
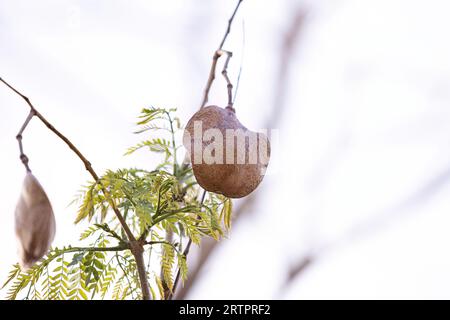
[
  {"x": 212, "y": 75},
  {"x": 227, "y": 79},
  {"x": 238, "y": 81},
  {"x": 216, "y": 56},
  {"x": 145, "y": 233},
  {"x": 23, "y": 157},
  {"x": 135, "y": 246},
  {"x": 230, "y": 22},
  {"x": 185, "y": 253},
  {"x": 124, "y": 272}
]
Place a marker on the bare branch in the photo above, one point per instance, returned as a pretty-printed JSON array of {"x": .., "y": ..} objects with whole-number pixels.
[
  {"x": 230, "y": 22},
  {"x": 216, "y": 56},
  {"x": 298, "y": 268}
]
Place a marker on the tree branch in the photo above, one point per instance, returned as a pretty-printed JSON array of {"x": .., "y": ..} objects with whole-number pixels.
[
  {"x": 136, "y": 247},
  {"x": 87, "y": 164},
  {"x": 217, "y": 54},
  {"x": 230, "y": 22}
]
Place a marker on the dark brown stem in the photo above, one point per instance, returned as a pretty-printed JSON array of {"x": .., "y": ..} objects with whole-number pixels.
[
  {"x": 133, "y": 242},
  {"x": 137, "y": 249}
]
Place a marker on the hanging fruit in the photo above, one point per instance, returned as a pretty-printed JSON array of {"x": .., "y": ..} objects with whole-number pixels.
[
  {"x": 35, "y": 222},
  {"x": 226, "y": 157}
]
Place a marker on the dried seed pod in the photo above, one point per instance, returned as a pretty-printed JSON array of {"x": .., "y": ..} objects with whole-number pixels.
[
  {"x": 35, "y": 222},
  {"x": 226, "y": 157}
]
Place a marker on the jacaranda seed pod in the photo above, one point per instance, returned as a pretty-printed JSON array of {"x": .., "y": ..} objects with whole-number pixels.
[
  {"x": 35, "y": 222},
  {"x": 226, "y": 157}
]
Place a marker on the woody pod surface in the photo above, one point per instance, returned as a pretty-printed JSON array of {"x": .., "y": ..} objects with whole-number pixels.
[
  {"x": 227, "y": 158},
  {"x": 34, "y": 222}
]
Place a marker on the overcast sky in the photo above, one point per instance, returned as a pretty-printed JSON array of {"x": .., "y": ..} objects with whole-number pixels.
[{"x": 360, "y": 177}]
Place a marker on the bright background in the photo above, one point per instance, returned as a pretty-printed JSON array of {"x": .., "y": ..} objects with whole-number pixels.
[{"x": 360, "y": 176}]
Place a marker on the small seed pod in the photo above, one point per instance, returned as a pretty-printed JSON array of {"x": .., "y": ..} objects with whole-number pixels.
[
  {"x": 226, "y": 157},
  {"x": 35, "y": 223}
]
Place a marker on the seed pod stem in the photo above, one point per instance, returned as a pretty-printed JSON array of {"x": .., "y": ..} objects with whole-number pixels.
[
  {"x": 217, "y": 54},
  {"x": 23, "y": 157}
]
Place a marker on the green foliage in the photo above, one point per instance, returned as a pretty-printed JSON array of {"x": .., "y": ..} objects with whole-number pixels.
[
  {"x": 227, "y": 210},
  {"x": 183, "y": 267},
  {"x": 167, "y": 264},
  {"x": 153, "y": 203}
]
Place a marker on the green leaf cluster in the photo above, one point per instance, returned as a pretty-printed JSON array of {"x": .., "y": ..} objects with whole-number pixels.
[{"x": 154, "y": 202}]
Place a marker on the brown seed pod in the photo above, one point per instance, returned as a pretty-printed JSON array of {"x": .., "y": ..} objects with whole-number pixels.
[
  {"x": 35, "y": 222},
  {"x": 226, "y": 157}
]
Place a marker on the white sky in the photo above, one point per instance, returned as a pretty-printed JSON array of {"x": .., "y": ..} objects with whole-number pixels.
[{"x": 361, "y": 173}]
